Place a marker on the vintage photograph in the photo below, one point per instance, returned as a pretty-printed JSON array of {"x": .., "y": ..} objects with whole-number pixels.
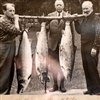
[{"x": 50, "y": 47}]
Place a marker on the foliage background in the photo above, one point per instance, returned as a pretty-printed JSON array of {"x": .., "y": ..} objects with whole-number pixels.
[{"x": 38, "y": 7}]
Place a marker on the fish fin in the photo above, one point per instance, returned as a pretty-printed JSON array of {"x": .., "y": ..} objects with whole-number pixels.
[
  {"x": 29, "y": 77},
  {"x": 73, "y": 61},
  {"x": 32, "y": 55},
  {"x": 20, "y": 87}
]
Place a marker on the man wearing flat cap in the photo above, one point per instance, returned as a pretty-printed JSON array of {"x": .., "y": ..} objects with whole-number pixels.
[{"x": 54, "y": 39}]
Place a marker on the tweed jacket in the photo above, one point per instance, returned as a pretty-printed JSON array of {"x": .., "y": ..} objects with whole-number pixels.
[
  {"x": 8, "y": 31},
  {"x": 55, "y": 31}
]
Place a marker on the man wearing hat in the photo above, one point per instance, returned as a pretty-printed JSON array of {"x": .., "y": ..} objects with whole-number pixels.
[{"x": 54, "y": 38}]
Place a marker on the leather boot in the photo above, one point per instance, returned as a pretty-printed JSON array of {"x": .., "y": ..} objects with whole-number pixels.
[
  {"x": 62, "y": 88},
  {"x": 55, "y": 87}
]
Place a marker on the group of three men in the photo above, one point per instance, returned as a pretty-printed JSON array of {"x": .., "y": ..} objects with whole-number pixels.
[{"x": 89, "y": 28}]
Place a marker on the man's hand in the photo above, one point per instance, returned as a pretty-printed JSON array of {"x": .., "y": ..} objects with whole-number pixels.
[
  {"x": 16, "y": 17},
  {"x": 75, "y": 15},
  {"x": 16, "y": 21},
  {"x": 93, "y": 52}
]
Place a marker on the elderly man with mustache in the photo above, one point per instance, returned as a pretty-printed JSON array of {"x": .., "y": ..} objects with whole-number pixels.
[
  {"x": 54, "y": 39},
  {"x": 89, "y": 28}
]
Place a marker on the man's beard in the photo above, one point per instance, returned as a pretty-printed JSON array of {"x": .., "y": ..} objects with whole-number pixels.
[{"x": 87, "y": 13}]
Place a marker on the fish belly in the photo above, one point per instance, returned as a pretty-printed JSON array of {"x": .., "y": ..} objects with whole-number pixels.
[
  {"x": 24, "y": 63},
  {"x": 66, "y": 51},
  {"x": 41, "y": 53}
]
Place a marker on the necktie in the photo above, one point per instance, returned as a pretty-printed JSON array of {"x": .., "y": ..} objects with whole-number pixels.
[
  {"x": 58, "y": 14},
  {"x": 58, "y": 19}
]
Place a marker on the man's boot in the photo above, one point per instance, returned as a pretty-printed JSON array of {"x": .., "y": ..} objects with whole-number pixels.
[
  {"x": 55, "y": 87},
  {"x": 62, "y": 88}
]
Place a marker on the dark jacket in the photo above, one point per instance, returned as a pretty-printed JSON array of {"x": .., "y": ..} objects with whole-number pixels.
[
  {"x": 55, "y": 32},
  {"x": 89, "y": 29},
  {"x": 8, "y": 32}
]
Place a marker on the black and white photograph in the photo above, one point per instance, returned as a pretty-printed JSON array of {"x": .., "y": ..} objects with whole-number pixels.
[{"x": 50, "y": 47}]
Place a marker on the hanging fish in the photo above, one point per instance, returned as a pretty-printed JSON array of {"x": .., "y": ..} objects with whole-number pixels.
[
  {"x": 66, "y": 53},
  {"x": 23, "y": 62},
  {"x": 41, "y": 55}
]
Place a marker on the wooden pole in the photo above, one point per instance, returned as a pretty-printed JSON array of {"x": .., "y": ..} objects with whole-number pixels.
[{"x": 70, "y": 17}]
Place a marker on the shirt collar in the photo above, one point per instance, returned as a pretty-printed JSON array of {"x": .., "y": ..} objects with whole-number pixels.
[{"x": 61, "y": 13}]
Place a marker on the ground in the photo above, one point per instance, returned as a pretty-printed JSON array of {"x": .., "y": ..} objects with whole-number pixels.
[{"x": 76, "y": 86}]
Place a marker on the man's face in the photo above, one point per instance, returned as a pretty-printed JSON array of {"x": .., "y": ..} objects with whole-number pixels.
[
  {"x": 10, "y": 11},
  {"x": 87, "y": 10},
  {"x": 59, "y": 7}
]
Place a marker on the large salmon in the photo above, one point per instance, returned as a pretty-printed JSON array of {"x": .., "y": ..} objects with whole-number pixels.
[
  {"x": 41, "y": 54},
  {"x": 23, "y": 62},
  {"x": 66, "y": 51}
]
